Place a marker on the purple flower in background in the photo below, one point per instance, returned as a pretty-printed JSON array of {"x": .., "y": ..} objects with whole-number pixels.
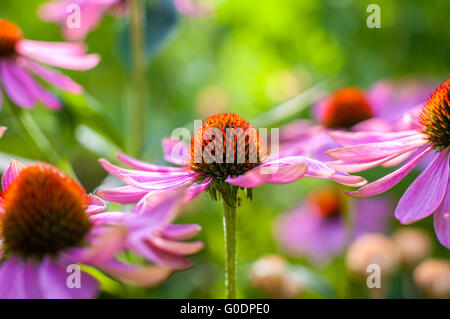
[
  {"x": 385, "y": 107},
  {"x": 49, "y": 223},
  {"x": 19, "y": 58},
  {"x": 317, "y": 228},
  {"x": 429, "y": 193},
  {"x": 92, "y": 12},
  {"x": 216, "y": 161}
]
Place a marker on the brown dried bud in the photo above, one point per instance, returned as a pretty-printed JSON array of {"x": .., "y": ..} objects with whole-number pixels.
[
  {"x": 414, "y": 245},
  {"x": 433, "y": 277}
]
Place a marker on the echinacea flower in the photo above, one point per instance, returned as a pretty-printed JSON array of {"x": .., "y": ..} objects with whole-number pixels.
[
  {"x": 225, "y": 154},
  {"x": 429, "y": 193},
  {"x": 385, "y": 107},
  {"x": 19, "y": 58},
  {"x": 317, "y": 229},
  {"x": 92, "y": 12},
  {"x": 48, "y": 223}
]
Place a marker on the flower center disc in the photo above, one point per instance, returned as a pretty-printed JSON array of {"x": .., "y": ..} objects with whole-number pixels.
[
  {"x": 44, "y": 213},
  {"x": 10, "y": 34},
  {"x": 346, "y": 108},
  {"x": 225, "y": 145},
  {"x": 435, "y": 117},
  {"x": 327, "y": 202}
]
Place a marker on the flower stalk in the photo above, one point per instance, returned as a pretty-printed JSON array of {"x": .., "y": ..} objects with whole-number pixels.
[
  {"x": 230, "y": 232},
  {"x": 136, "y": 117}
]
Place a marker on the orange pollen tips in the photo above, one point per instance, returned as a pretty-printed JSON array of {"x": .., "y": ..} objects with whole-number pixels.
[
  {"x": 435, "y": 117},
  {"x": 45, "y": 213},
  {"x": 327, "y": 202},
  {"x": 225, "y": 145},
  {"x": 10, "y": 34},
  {"x": 346, "y": 108}
]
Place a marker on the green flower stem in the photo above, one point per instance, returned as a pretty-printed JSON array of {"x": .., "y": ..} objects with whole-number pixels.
[
  {"x": 41, "y": 142},
  {"x": 230, "y": 225},
  {"x": 136, "y": 117}
]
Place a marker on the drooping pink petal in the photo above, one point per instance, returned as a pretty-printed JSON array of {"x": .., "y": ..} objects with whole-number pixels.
[
  {"x": 13, "y": 85},
  {"x": 280, "y": 171},
  {"x": 96, "y": 205},
  {"x": 426, "y": 193},
  {"x": 442, "y": 220},
  {"x": 59, "y": 58},
  {"x": 178, "y": 248},
  {"x": 180, "y": 232},
  {"x": 346, "y": 138},
  {"x": 387, "y": 182},
  {"x": 53, "y": 278},
  {"x": 69, "y": 48},
  {"x": 2, "y": 128},
  {"x": 10, "y": 270},
  {"x": 375, "y": 151},
  {"x": 175, "y": 151},
  {"x": 196, "y": 189},
  {"x": 11, "y": 173},
  {"x": 346, "y": 179},
  {"x": 137, "y": 164},
  {"x": 53, "y": 77},
  {"x": 122, "y": 195},
  {"x": 143, "y": 276}
]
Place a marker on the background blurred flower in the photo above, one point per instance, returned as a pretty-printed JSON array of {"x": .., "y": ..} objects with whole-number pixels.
[
  {"x": 17, "y": 61},
  {"x": 2, "y": 130},
  {"x": 433, "y": 277},
  {"x": 428, "y": 193},
  {"x": 384, "y": 107},
  {"x": 93, "y": 11},
  {"x": 318, "y": 228},
  {"x": 49, "y": 222}
]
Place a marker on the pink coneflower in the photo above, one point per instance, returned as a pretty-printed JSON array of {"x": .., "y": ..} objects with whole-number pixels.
[
  {"x": 385, "y": 107},
  {"x": 213, "y": 165},
  {"x": 317, "y": 229},
  {"x": 92, "y": 12},
  {"x": 18, "y": 60},
  {"x": 48, "y": 222},
  {"x": 429, "y": 193}
]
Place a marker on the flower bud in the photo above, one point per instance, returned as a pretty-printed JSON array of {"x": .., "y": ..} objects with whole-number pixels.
[
  {"x": 414, "y": 245},
  {"x": 432, "y": 276},
  {"x": 372, "y": 249}
]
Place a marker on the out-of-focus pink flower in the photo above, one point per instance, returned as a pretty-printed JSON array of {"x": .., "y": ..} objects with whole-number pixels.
[
  {"x": 2, "y": 130},
  {"x": 317, "y": 228},
  {"x": 429, "y": 193},
  {"x": 49, "y": 222},
  {"x": 222, "y": 163},
  {"x": 19, "y": 58},
  {"x": 92, "y": 12},
  {"x": 385, "y": 107}
]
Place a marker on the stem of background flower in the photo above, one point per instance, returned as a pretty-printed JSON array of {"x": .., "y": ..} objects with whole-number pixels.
[
  {"x": 41, "y": 142},
  {"x": 230, "y": 226},
  {"x": 136, "y": 117}
]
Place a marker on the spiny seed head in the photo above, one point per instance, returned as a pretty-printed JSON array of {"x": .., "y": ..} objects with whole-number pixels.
[
  {"x": 10, "y": 34},
  {"x": 45, "y": 213},
  {"x": 225, "y": 145},
  {"x": 346, "y": 107},
  {"x": 435, "y": 117},
  {"x": 327, "y": 202}
]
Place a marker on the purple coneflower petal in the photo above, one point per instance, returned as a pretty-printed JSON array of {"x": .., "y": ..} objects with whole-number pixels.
[
  {"x": 123, "y": 195},
  {"x": 53, "y": 281},
  {"x": 442, "y": 220},
  {"x": 196, "y": 189},
  {"x": 13, "y": 85},
  {"x": 375, "y": 151},
  {"x": 137, "y": 164},
  {"x": 11, "y": 173},
  {"x": 144, "y": 276},
  {"x": 180, "y": 232},
  {"x": 62, "y": 58},
  {"x": 346, "y": 138},
  {"x": 387, "y": 182},
  {"x": 426, "y": 193},
  {"x": 175, "y": 151},
  {"x": 53, "y": 77},
  {"x": 95, "y": 205},
  {"x": 275, "y": 172},
  {"x": 176, "y": 247}
]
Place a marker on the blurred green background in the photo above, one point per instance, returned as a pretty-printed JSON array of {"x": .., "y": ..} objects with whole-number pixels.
[{"x": 249, "y": 57}]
